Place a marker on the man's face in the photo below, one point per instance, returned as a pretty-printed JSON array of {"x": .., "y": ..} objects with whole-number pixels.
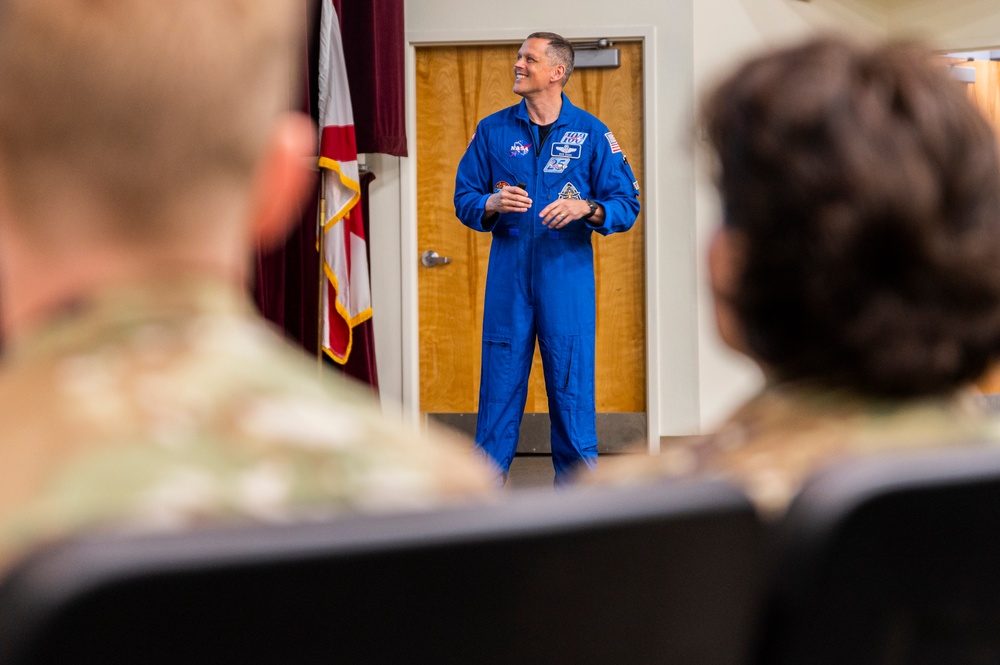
[{"x": 533, "y": 71}]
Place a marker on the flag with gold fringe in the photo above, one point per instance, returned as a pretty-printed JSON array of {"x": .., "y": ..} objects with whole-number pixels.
[{"x": 346, "y": 293}]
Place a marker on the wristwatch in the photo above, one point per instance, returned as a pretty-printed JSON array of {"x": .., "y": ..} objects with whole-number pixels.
[{"x": 593, "y": 208}]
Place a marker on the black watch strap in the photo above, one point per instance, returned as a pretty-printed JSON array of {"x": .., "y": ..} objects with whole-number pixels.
[{"x": 593, "y": 208}]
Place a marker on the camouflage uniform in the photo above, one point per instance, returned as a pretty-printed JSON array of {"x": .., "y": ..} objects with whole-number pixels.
[
  {"x": 773, "y": 442},
  {"x": 173, "y": 404}
]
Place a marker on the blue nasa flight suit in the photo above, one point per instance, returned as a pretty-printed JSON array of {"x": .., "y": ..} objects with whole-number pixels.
[{"x": 541, "y": 281}]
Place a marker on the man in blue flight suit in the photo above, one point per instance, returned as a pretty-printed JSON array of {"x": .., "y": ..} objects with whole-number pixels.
[{"x": 540, "y": 280}]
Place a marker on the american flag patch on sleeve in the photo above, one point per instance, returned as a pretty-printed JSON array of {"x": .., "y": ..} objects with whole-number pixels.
[{"x": 614, "y": 144}]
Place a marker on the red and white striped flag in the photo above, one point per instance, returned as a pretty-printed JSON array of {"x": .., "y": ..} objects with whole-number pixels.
[{"x": 347, "y": 296}]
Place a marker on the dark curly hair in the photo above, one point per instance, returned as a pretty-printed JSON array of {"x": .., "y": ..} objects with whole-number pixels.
[{"x": 865, "y": 187}]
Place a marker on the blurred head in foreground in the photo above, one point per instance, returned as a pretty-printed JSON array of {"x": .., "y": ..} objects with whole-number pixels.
[
  {"x": 146, "y": 152},
  {"x": 861, "y": 203},
  {"x": 140, "y": 138},
  {"x": 856, "y": 262}
]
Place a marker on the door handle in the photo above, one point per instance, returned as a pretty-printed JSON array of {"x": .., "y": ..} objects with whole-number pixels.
[{"x": 430, "y": 259}]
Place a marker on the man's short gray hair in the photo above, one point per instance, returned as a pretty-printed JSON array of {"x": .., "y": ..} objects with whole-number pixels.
[{"x": 559, "y": 50}]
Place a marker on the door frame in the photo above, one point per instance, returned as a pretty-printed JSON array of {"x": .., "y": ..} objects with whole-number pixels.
[{"x": 409, "y": 302}]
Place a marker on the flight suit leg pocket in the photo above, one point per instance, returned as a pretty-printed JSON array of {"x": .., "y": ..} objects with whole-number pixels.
[
  {"x": 498, "y": 368},
  {"x": 565, "y": 371}
]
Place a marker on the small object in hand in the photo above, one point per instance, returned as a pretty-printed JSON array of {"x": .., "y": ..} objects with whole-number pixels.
[{"x": 523, "y": 185}]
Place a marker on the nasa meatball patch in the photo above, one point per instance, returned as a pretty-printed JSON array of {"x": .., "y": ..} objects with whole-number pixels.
[{"x": 519, "y": 149}]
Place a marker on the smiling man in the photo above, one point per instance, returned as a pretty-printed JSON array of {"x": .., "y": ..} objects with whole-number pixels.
[{"x": 542, "y": 176}]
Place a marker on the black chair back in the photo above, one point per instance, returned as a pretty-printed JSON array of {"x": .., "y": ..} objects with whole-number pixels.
[
  {"x": 895, "y": 560},
  {"x": 672, "y": 573}
]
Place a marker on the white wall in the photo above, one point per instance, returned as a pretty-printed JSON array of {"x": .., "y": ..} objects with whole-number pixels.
[
  {"x": 951, "y": 24},
  {"x": 724, "y": 32},
  {"x": 689, "y": 43},
  {"x": 385, "y": 210}
]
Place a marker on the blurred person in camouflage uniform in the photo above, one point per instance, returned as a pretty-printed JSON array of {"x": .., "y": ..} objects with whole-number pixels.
[
  {"x": 144, "y": 153},
  {"x": 856, "y": 263}
]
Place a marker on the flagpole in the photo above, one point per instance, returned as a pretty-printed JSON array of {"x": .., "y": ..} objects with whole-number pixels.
[{"x": 321, "y": 246}]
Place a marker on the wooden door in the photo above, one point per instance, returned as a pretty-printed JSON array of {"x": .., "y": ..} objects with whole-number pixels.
[
  {"x": 985, "y": 93},
  {"x": 456, "y": 87}
]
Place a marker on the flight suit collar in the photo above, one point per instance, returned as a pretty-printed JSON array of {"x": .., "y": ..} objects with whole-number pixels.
[{"x": 567, "y": 110}]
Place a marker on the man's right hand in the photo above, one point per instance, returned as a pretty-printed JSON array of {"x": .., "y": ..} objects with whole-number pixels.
[{"x": 508, "y": 199}]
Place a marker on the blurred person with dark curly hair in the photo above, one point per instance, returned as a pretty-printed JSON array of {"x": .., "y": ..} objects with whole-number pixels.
[{"x": 856, "y": 263}]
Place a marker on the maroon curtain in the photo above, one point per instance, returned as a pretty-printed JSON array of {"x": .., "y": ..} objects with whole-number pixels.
[
  {"x": 287, "y": 287},
  {"x": 374, "y": 55},
  {"x": 288, "y": 293},
  {"x": 287, "y": 284}
]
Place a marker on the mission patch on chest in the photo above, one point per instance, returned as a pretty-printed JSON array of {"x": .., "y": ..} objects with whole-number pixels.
[
  {"x": 569, "y": 192},
  {"x": 557, "y": 165}
]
